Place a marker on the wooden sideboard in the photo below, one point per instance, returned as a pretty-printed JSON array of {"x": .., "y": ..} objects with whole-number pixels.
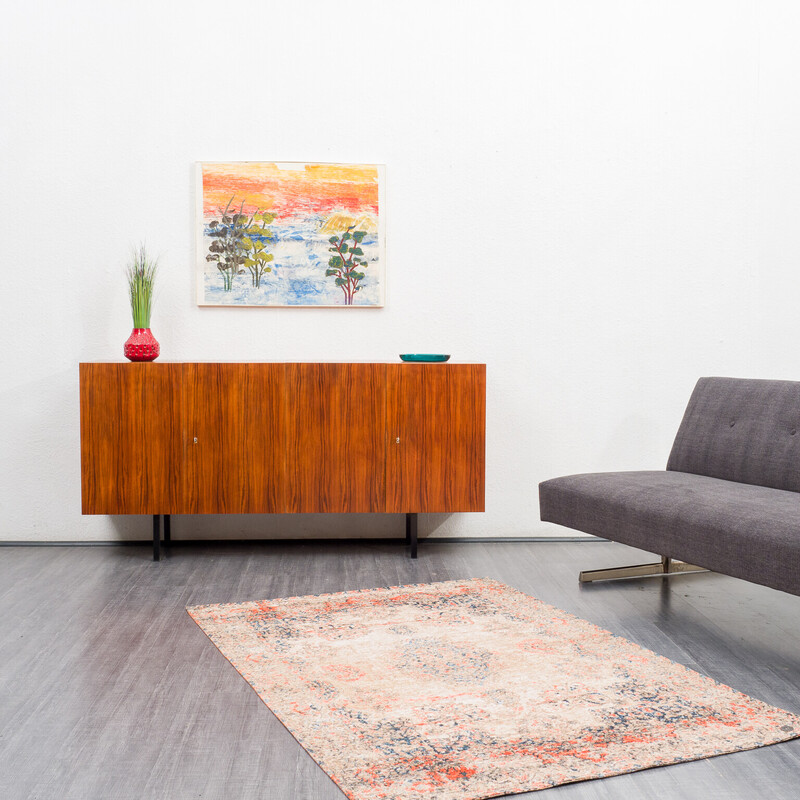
[{"x": 235, "y": 438}]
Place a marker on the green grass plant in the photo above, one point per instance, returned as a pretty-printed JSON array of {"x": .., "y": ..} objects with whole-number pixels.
[{"x": 141, "y": 273}]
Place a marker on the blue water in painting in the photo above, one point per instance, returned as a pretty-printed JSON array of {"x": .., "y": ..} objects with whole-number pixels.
[{"x": 298, "y": 271}]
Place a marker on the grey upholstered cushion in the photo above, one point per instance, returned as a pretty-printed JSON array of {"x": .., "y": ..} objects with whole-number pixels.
[
  {"x": 747, "y": 531},
  {"x": 741, "y": 430}
]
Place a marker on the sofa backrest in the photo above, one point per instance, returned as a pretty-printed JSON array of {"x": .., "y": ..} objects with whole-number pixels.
[{"x": 741, "y": 430}]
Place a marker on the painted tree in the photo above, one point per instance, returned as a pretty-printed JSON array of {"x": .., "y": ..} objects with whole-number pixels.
[
  {"x": 227, "y": 249},
  {"x": 345, "y": 263},
  {"x": 257, "y": 235}
]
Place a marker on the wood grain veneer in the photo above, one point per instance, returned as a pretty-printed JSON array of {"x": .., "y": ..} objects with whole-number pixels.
[
  {"x": 237, "y": 415},
  {"x": 435, "y": 425},
  {"x": 282, "y": 438},
  {"x": 336, "y": 437},
  {"x": 130, "y": 439}
]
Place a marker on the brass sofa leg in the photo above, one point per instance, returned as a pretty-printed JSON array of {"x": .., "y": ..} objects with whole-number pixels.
[{"x": 666, "y": 566}]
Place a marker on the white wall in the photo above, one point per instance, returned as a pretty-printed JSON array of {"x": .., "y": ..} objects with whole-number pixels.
[{"x": 600, "y": 200}]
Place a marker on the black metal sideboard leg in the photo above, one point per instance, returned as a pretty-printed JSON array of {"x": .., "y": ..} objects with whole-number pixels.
[
  {"x": 156, "y": 537},
  {"x": 411, "y": 533},
  {"x": 167, "y": 538}
]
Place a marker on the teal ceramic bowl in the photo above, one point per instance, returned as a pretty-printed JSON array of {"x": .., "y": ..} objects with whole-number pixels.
[{"x": 424, "y": 357}]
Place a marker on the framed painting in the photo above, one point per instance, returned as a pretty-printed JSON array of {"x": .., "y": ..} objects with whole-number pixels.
[{"x": 290, "y": 234}]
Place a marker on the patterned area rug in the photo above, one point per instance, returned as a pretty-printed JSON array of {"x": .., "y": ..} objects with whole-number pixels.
[{"x": 470, "y": 689}]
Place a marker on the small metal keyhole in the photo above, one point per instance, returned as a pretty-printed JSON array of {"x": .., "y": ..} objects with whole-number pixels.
[
  {"x": 195, "y": 440},
  {"x": 397, "y": 440}
]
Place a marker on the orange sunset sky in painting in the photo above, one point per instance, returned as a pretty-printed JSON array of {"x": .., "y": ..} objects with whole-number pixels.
[{"x": 298, "y": 191}]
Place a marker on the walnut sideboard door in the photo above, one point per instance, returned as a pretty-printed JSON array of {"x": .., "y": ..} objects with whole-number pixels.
[
  {"x": 234, "y": 439},
  {"x": 436, "y": 429},
  {"x": 130, "y": 438},
  {"x": 336, "y": 449}
]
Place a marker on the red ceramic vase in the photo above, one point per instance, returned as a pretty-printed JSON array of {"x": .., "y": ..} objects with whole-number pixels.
[{"x": 142, "y": 346}]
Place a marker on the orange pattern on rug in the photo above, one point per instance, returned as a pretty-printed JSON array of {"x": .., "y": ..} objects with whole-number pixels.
[{"x": 465, "y": 690}]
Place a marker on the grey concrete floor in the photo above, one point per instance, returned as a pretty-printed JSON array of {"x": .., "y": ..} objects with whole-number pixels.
[{"x": 109, "y": 690}]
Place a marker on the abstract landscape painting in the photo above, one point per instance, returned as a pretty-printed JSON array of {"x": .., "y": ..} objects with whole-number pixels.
[{"x": 290, "y": 234}]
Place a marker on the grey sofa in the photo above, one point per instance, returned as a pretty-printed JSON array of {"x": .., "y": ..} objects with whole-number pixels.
[{"x": 729, "y": 500}]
